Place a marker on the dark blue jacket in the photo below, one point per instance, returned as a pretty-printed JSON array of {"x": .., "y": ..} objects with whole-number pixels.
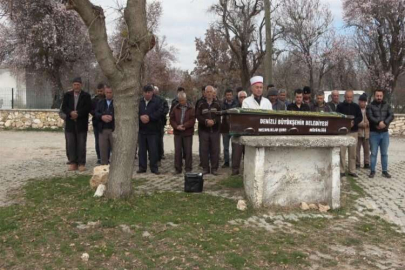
[
  {"x": 155, "y": 111},
  {"x": 103, "y": 109}
]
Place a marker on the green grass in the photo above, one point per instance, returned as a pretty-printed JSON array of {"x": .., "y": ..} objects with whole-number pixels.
[
  {"x": 42, "y": 233},
  {"x": 232, "y": 182}
]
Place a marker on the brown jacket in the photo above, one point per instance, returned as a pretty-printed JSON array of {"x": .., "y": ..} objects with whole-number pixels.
[
  {"x": 188, "y": 122},
  {"x": 364, "y": 126}
]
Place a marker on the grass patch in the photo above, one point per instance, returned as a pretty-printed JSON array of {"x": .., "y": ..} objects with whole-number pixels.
[
  {"x": 235, "y": 182},
  {"x": 43, "y": 233}
]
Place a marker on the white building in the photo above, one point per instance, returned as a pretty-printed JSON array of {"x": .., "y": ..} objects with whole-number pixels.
[{"x": 12, "y": 88}]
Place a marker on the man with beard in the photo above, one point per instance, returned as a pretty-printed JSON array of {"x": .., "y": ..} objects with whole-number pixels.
[
  {"x": 380, "y": 116},
  {"x": 320, "y": 105}
]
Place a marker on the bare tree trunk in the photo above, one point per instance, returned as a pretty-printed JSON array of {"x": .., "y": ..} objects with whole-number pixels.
[
  {"x": 56, "y": 88},
  {"x": 124, "y": 75},
  {"x": 125, "y": 138},
  {"x": 268, "y": 61}
]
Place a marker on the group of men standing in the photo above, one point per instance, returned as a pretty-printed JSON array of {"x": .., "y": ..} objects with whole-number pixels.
[{"x": 369, "y": 126}]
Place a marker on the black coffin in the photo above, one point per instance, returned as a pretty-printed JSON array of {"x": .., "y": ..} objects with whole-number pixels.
[{"x": 263, "y": 122}]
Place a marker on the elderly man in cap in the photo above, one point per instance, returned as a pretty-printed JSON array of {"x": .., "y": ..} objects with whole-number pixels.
[
  {"x": 208, "y": 126},
  {"x": 256, "y": 100},
  {"x": 182, "y": 119},
  {"x": 298, "y": 105},
  {"x": 150, "y": 116},
  {"x": 277, "y": 104},
  {"x": 348, "y": 107},
  {"x": 364, "y": 135},
  {"x": 77, "y": 107},
  {"x": 307, "y": 97}
]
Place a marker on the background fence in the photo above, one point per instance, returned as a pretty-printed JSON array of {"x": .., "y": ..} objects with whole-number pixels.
[{"x": 11, "y": 98}]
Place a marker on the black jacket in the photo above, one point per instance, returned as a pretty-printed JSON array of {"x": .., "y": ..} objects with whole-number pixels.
[
  {"x": 377, "y": 112},
  {"x": 155, "y": 111},
  {"x": 83, "y": 109},
  {"x": 94, "y": 103},
  {"x": 165, "y": 110},
  {"x": 293, "y": 107},
  {"x": 352, "y": 109},
  {"x": 332, "y": 106},
  {"x": 103, "y": 109}
]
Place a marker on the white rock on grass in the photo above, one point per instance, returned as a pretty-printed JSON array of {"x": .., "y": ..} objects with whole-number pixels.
[
  {"x": 85, "y": 257},
  {"x": 100, "y": 191},
  {"x": 242, "y": 206},
  {"x": 146, "y": 234},
  {"x": 323, "y": 208},
  {"x": 125, "y": 228},
  {"x": 304, "y": 206},
  {"x": 100, "y": 176}
]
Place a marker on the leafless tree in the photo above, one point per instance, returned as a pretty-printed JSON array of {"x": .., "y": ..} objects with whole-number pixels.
[
  {"x": 124, "y": 74},
  {"x": 380, "y": 38},
  {"x": 243, "y": 27},
  {"x": 305, "y": 25}
]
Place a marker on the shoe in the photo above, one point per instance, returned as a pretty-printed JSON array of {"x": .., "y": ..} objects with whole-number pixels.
[
  {"x": 177, "y": 172},
  {"x": 235, "y": 173},
  {"x": 215, "y": 172},
  {"x": 386, "y": 175},
  {"x": 82, "y": 168},
  {"x": 98, "y": 162},
  {"x": 357, "y": 166},
  {"x": 226, "y": 165},
  {"x": 157, "y": 173},
  {"x": 342, "y": 174},
  {"x": 141, "y": 171},
  {"x": 353, "y": 175},
  {"x": 205, "y": 172},
  {"x": 366, "y": 166},
  {"x": 371, "y": 175},
  {"x": 72, "y": 167},
  {"x": 163, "y": 157}
]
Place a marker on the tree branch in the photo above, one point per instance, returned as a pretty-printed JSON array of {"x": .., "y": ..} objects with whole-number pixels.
[
  {"x": 135, "y": 16},
  {"x": 94, "y": 19}
]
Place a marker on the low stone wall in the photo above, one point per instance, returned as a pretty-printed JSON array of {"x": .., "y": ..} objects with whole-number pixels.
[
  {"x": 49, "y": 119},
  {"x": 26, "y": 119},
  {"x": 397, "y": 127}
]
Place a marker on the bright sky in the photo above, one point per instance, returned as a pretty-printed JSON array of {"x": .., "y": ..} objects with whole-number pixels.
[{"x": 184, "y": 20}]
